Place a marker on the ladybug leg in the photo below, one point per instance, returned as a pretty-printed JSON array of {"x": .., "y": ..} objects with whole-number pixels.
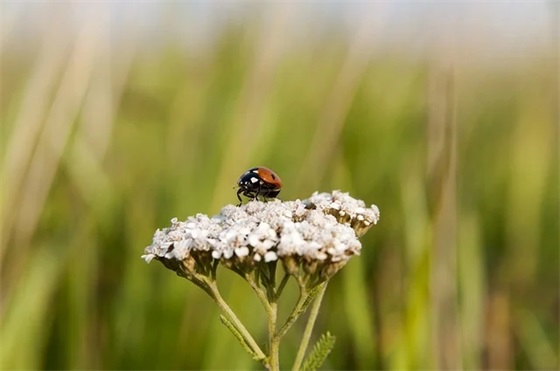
[
  {"x": 255, "y": 195},
  {"x": 252, "y": 195},
  {"x": 265, "y": 194},
  {"x": 239, "y": 191}
]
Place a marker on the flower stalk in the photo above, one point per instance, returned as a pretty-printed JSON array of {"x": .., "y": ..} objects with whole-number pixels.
[
  {"x": 238, "y": 325},
  {"x": 312, "y": 239},
  {"x": 309, "y": 327},
  {"x": 273, "y": 341}
]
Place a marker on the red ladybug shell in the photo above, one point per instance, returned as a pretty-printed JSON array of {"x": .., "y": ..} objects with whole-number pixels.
[{"x": 268, "y": 176}]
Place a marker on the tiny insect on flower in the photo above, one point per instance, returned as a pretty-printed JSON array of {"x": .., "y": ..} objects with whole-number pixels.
[{"x": 258, "y": 181}]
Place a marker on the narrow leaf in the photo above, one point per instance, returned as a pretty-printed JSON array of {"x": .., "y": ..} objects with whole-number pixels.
[
  {"x": 239, "y": 337},
  {"x": 319, "y": 353}
]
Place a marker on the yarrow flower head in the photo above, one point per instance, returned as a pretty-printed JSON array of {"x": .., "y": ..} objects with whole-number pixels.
[{"x": 312, "y": 238}]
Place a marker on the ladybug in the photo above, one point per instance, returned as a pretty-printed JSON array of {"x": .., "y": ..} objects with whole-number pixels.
[{"x": 258, "y": 181}]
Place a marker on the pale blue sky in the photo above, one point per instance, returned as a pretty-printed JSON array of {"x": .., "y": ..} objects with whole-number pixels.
[{"x": 495, "y": 29}]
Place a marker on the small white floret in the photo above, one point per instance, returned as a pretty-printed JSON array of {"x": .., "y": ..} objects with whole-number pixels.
[
  {"x": 148, "y": 257},
  {"x": 242, "y": 251},
  {"x": 270, "y": 256}
]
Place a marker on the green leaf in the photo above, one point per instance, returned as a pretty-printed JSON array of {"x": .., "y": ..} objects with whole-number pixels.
[
  {"x": 239, "y": 337},
  {"x": 319, "y": 353}
]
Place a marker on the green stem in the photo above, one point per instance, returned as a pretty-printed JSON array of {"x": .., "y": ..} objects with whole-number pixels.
[
  {"x": 260, "y": 293},
  {"x": 309, "y": 328},
  {"x": 273, "y": 341},
  {"x": 296, "y": 312},
  {"x": 215, "y": 293}
]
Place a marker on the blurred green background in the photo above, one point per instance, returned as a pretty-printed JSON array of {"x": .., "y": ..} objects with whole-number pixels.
[{"x": 117, "y": 117}]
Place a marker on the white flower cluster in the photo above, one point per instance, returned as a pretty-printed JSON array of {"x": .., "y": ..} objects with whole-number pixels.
[
  {"x": 323, "y": 228},
  {"x": 347, "y": 210}
]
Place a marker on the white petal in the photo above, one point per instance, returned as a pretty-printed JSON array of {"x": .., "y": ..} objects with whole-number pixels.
[
  {"x": 228, "y": 253},
  {"x": 242, "y": 251},
  {"x": 148, "y": 257},
  {"x": 270, "y": 256}
]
